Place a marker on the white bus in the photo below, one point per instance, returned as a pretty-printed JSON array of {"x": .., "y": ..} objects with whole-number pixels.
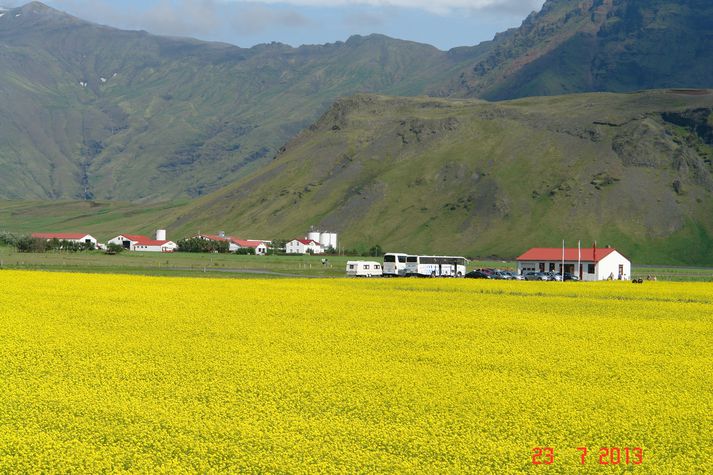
[
  {"x": 436, "y": 266},
  {"x": 364, "y": 269},
  {"x": 395, "y": 264}
]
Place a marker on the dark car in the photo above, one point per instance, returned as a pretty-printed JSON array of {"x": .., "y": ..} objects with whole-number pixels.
[
  {"x": 570, "y": 276},
  {"x": 477, "y": 274}
]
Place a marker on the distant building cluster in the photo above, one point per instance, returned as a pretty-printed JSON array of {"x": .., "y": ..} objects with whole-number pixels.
[
  {"x": 316, "y": 242},
  {"x": 235, "y": 244},
  {"x": 159, "y": 243}
]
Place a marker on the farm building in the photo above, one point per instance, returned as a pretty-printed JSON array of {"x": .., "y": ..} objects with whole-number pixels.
[
  {"x": 259, "y": 246},
  {"x": 594, "y": 264},
  {"x": 235, "y": 244},
  {"x": 73, "y": 237},
  {"x": 232, "y": 247},
  {"x": 135, "y": 242},
  {"x": 324, "y": 239},
  {"x": 303, "y": 246}
]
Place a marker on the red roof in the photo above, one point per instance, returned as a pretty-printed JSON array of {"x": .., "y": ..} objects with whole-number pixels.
[
  {"x": 150, "y": 242},
  {"x": 307, "y": 242},
  {"x": 135, "y": 237},
  {"x": 246, "y": 243},
  {"x": 570, "y": 254},
  {"x": 66, "y": 236},
  {"x": 213, "y": 237}
]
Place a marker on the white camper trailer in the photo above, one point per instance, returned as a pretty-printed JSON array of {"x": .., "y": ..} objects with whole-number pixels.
[{"x": 364, "y": 269}]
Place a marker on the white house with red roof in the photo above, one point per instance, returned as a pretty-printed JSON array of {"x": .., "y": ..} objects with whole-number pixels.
[
  {"x": 136, "y": 242},
  {"x": 234, "y": 244},
  {"x": 73, "y": 237},
  {"x": 588, "y": 264},
  {"x": 303, "y": 246},
  {"x": 260, "y": 247}
]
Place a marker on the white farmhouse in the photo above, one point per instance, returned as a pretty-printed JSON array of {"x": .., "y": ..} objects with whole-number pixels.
[
  {"x": 135, "y": 242},
  {"x": 73, "y": 237},
  {"x": 303, "y": 246},
  {"x": 594, "y": 264},
  {"x": 259, "y": 246}
]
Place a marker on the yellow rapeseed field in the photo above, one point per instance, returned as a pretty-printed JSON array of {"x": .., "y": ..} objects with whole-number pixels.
[{"x": 106, "y": 373}]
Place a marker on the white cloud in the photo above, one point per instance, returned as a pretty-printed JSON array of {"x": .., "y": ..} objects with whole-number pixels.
[{"x": 434, "y": 6}]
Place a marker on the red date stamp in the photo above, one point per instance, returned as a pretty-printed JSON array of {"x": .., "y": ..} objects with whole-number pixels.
[{"x": 604, "y": 456}]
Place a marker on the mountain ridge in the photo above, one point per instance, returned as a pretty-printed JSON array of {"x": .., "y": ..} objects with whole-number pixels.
[{"x": 93, "y": 112}]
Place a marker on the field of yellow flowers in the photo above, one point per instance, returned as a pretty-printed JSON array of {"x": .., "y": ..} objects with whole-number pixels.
[{"x": 103, "y": 373}]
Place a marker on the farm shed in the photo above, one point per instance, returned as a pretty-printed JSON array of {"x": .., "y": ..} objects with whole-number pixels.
[
  {"x": 594, "y": 264},
  {"x": 135, "y": 242},
  {"x": 73, "y": 237}
]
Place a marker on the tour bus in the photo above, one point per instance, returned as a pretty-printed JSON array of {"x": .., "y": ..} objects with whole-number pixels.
[
  {"x": 395, "y": 264},
  {"x": 436, "y": 266}
]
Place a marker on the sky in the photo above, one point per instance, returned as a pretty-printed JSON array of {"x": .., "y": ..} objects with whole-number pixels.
[{"x": 442, "y": 23}]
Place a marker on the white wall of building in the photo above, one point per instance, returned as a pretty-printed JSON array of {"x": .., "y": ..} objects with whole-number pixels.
[
  {"x": 168, "y": 246},
  {"x": 297, "y": 247},
  {"x": 612, "y": 264},
  {"x": 119, "y": 240}
]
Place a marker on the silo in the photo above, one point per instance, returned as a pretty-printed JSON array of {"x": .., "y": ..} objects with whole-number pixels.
[
  {"x": 314, "y": 236},
  {"x": 160, "y": 234},
  {"x": 324, "y": 240},
  {"x": 333, "y": 240}
]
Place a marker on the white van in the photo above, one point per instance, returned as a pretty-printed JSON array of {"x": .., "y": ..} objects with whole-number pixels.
[{"x": 364, "y": 269}]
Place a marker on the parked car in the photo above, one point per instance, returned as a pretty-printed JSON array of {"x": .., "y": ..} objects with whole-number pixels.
[
  {"x": 555, "y": 276},
  {"x": 534, "y": 275},
  {"x": 570, "y": 276},
  {"x": 514, "y": 275},
  {"x": 488, "y": 271},
  {"x": 477, "y": 274},
  {"x": 501, "y": 275}
]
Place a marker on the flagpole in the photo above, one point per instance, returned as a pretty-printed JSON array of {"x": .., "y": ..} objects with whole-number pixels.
[
  {"x": 562, "y": 266},
  {"x": 579, "y": 258}
]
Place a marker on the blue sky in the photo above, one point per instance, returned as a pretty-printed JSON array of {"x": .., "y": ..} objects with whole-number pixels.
[{"x": 442, "y": 23}]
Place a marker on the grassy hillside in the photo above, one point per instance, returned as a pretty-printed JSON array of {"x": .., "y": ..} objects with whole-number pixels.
[
  {"x": 470, "y": 177},
  {"x": 91, "y": 112}
]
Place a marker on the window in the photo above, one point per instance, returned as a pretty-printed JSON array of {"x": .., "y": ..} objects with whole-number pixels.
[
  {"x": 413, "y": 259},
  {"x": 389, "y": 258},
  {"x": 402, "y": 259},
  {"x": 351, "y": 266},
  {"x": 590, "y": 269},
  {"x": 366, "y": 266},
  {"x": 552, "y": 266}
]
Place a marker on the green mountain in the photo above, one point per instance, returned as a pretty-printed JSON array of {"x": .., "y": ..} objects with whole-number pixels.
[
  {"x": 88, "y": 111},
  {"x": 596, "y": 45},
  {"x": 91, "y": 112},
  {"x": 464, "y": 176}
]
